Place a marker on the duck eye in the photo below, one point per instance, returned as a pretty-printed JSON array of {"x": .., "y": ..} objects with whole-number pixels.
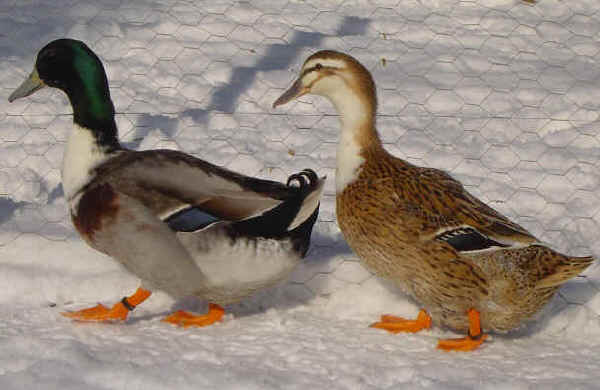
[{"x": 318, "y": 66}]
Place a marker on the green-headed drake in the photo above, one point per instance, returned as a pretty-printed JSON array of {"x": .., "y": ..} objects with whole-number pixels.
[{"x": 181, "y": 224}]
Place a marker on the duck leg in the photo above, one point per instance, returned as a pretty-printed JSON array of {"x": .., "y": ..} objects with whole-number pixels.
[
  {"x": 398, "y": 324},
  {"x": 118, "y": 312},
  {"x": 185, "y": 319},
  {"x": 472, "y": 341}
]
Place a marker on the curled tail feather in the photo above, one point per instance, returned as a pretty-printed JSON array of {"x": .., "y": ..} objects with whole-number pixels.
[{"x": 313, "y": 185}]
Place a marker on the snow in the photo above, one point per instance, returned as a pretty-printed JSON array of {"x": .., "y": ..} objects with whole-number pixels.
[{"x": 500, "y": 93}]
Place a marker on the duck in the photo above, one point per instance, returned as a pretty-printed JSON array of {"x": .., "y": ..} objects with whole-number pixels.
[
  {"x": 180, "y": 224},
  {"x": 469, "y": 267}
]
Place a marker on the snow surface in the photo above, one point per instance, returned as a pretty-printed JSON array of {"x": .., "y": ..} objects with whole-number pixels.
[{"x": 501, "y": 93}]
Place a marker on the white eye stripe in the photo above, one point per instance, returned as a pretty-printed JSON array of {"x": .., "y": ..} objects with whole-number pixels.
[{"x": 325, "y": 62}]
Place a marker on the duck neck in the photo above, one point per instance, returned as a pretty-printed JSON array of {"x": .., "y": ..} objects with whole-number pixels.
[
  {"x": 358, "y": 134},
  {"x": 93, "y": 137},
  {"x": 93, "y": 109}
]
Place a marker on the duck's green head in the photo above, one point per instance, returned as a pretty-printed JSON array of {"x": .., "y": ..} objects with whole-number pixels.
[{"x": 72, "y": 67}]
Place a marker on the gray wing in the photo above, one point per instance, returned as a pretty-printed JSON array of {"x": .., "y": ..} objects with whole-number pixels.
[
  {"x": 123, "y": 228},
  {"x": 168, "y": 181}
]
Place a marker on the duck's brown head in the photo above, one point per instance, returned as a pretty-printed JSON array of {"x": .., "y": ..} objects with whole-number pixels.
[{"x": 336, "y": 76}]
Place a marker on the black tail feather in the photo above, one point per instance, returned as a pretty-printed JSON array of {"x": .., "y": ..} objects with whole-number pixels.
[
  {"x": 301, "y": 234},
  {"x": 275, "y": 222}
]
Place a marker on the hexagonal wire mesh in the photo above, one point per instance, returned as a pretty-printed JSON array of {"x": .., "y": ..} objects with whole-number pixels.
[{"x": 502, "y": 94}]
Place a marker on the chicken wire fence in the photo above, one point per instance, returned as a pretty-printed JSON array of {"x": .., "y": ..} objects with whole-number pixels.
[{"x": 502, "y": 94}]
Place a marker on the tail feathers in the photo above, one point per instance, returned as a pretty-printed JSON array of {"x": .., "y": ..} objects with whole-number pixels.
[
  {"x": 294, "y": 212},
  {"x": 314, "y": 190},
  {"x": 301, "y": 235},
  {"x": 565, "y": 268}
]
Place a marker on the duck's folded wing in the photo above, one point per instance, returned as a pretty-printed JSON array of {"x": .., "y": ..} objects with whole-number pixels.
[
  {"x": 453, "y": 215},
  {"x": 468, "y": 239},
  {"x": 190, "y": 219},
  {"x": 169, "y": 182}
]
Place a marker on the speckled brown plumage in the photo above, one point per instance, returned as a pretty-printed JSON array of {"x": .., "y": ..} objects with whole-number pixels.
[
  {"x": 390, "y": 215},
  {"x": 420, "y": 228}
]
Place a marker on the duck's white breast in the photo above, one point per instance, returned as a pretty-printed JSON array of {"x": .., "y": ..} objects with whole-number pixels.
[{"x": 81, "y": 155}]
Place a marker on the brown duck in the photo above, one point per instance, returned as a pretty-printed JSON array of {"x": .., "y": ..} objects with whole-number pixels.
[{"x": 468, "y": 266}]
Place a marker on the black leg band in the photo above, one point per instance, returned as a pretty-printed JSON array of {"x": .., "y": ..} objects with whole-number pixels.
[
  {"x": 127, "y": 305},
  {"x": 475, "y": 337}
]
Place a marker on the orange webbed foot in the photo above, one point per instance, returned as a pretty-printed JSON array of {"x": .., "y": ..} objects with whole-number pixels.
[
  {"x": 462, "y": 344},
  {"x": 118, "y": 312},
  {"x": 185, "y": 319},
  {"x": 473, "y": 340},
  {"x": 398, "y": 324},
  {"x": 99, "y": 313}
]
